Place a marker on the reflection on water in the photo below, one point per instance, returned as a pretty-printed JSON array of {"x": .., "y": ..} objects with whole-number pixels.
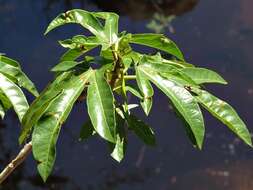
[{"x": 216, "y": 34}]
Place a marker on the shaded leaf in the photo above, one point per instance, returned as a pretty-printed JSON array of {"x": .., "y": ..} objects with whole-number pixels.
[
  {"x": 143, "y": 131},
  {"x": 87, "y": 131}
]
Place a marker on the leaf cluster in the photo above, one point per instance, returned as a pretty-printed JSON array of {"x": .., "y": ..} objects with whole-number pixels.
[{"x": 104, "y": 83}]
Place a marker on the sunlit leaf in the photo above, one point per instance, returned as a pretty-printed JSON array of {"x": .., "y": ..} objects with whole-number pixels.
[
  {"x": 100, "y": 106},
  {"x": 11, "y": 69},
  {"x": 47, "y": 129},
  {"x": 146, "y": 89},
  {"x": 158, "y": 41},
  {"x": 40, "y": 105},
  {"x": 78, "y": 16},
  {"x": 65, "y": 66},
  {"x": 1, "y": 111},
  {"x": 184, "y": 102},
  {"x": 14, "y": 95},
  {"x": 225, "y": 113},
  {"x": 202, "y": 75}
]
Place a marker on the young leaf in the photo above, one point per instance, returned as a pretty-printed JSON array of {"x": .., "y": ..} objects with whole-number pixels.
[
  {"x": 143, "y": 131},
  {"x": 14, "y": 95},
  {"x": 157, "y": 41},
  {"x": 184, "y": 102},
  {"x": 111, "y": 25},
  {"x": 202, "y": 75},
  {"x": 146, "y": 89},
  {"x": 225, "y": 113},
  {"x": 101, "y": 107},
  {"x": 80, "y": 41},
  {"x": 46, "y": 131}
]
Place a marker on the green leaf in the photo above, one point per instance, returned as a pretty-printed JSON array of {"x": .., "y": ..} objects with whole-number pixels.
[
  {"x": 158, "y": 41},
  {"x": 101, "y": 107},
  {"x": 9, "y": 61},
  {"x": 65, "y": 66},
  {"x": 134, "y": 91},
  {"x": 1, "y": 111},
  {"x": 111, "y": 25},
  {"x": 184, "y": 102},
  {"x": 143, "y": 131},
  {"x": 119, "y": 148},
  {"x": 202, "y": 75},
  {"x": 16, "y": 74},
  {"x": 81, "y": 42},
  {"x": 14, "y": 95},
  {"x": 225, "y": 113},
  {"x": 41, "y": 104},
  {"x": 82, "y": 17},
  {"x": 146, "y": 89},
  {"x": 46, "y": 131},
  {"x": 87, "y": 131},
  {"x": 72, "y": 54}
]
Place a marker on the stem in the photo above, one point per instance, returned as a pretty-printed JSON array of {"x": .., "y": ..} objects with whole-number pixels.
[
  {"x": 130, "y": 77},
  {"x": 22, "y": 155}
]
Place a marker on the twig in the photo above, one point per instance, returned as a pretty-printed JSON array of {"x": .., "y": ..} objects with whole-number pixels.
[{"x": 16, "y": 162}]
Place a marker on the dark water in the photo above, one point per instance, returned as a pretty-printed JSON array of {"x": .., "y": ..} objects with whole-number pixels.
[{"x": 217, "y": 34}]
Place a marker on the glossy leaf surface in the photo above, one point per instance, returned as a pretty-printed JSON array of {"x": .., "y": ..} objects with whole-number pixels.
[
  {"x": 184, "y": 102},
  {"x": 100, "y": 106},
  {"x": 157, "y": 41},
  {"x": 225, "y": 113},
  {"x": 14, "y": 95},
  {"x": 202, "y": 75},
  {"x": 47, "y": 129},
  {"x": 146, "y": 89}
]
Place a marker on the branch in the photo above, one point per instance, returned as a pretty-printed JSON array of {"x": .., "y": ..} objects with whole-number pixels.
[{"x": 16, "y": 162}]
